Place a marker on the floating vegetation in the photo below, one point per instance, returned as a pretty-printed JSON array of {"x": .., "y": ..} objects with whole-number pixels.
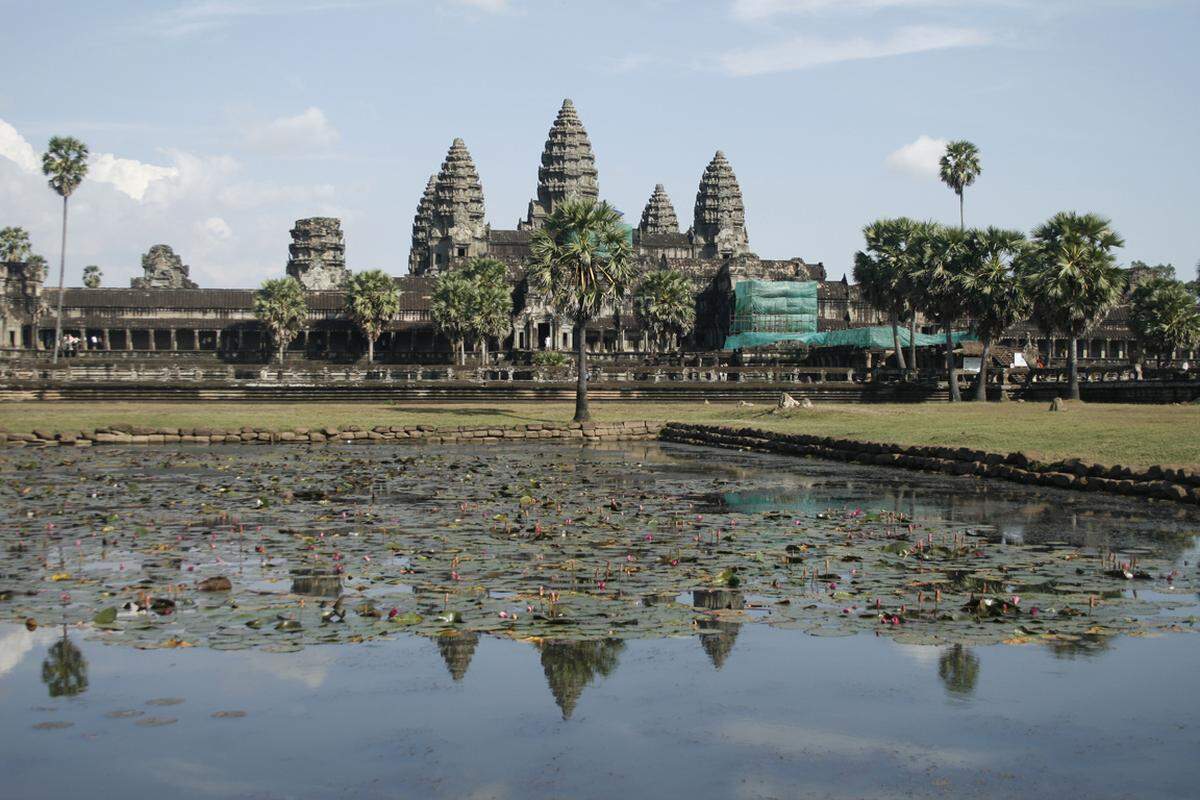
[{"x": 260, "y": 547}]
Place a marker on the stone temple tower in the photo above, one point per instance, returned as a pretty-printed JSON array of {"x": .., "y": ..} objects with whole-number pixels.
[
  {"x": 457, "y": 230},
  {"x": 568, "y": 167},
  {"x": 418, "y": 255},
  {"x": 719, "y": 226},
  {"x": 317, "y": 254},
  {"x": 659, "y": 214}
]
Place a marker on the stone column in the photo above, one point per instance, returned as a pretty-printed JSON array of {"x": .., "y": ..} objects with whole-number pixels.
[
  {"x": 153, "y": 344},
  {"x": 107, "y": 340},
  {"x": 129, "y": 338},
  {"x": 241, "y": 338},
  {"x": 174, "y": 340}
]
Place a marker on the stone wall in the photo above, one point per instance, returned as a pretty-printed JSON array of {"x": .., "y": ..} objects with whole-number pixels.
[{"x": 1160, "y": 482}]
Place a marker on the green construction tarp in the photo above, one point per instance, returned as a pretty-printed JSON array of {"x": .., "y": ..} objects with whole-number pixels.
[
  {"x": 774, "y": 307},
  {"x": 877, "y": 337}
]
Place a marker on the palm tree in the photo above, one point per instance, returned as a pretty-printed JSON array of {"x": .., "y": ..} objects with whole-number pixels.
[
  {"x": 959, "y": 167},
  {"x": 664, "y": 304},
  {"x": 1071, "y": 277},
  {"x": 939, "y": 260},
  {"x": 281, "y": 308},
  {"x": 995, "y": 299},
  {"x": 65, "y": 164},
  {"x": 581, "y": 260},
  {"x": 372, "y": 301},
  {"x": 882, "y": 272},
  {"x": 491, "y": 306},
  {"x": 1166, "y": 316},
  {"x": 92, "y": 276},
  {"x": 14, "y": 244},
  {"x": 451, "y": 307}
]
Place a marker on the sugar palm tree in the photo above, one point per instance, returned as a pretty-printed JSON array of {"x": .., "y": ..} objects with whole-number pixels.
[
  {"x": 281, "y": 308},
  {"x": 995, "y": 299},
  {"x": 372, "y": 301},
  {"x": 582, "y": 261},
  {"x": 664, "y": 304},
  {"x": 451, "y": 307},
  {"x": 939, "y": 261},
  {"x": 65, "y": 164},
  {"x": 491, "y": 301},
  {"x": 882, "y": 272},
  {"x": 959, "y": 167},
  {"x": 1071, "y": 277},
  {"x": 14, "y": 244},
  {"x": 92, "y": 276},
  {"x": 1166, "y": 317}
]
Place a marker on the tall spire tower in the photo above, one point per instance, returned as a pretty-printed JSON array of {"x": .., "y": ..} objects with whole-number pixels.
[
  {"x": 457, "y": 230},
  {"x": 659, "y": 214},
  {"x": 719, "y": 226},
  {"x": 418, "y": 255},
  {"x": 568, "y": 167}
]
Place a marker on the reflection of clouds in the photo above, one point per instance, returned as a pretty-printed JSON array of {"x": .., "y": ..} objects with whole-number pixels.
[
  {"x": 16, "y": 643},
  {"x": 492, "y": 791},
  {"x": 310, "y": 666},
  {"x": 921, "y": 654},
  {"x": 791, "y": 741},
  {"x": 196, "y": 777}
]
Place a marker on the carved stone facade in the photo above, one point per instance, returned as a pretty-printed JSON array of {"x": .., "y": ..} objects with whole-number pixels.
[
  {"x": 418, "y": 255},
  {"x": 21, "y": 302},
  {"x": 719, "y": 226},
  {"x": 162, "y": 269},
  {"x": 568, "y": 167},
  {"x": 659, "y": 214},
  {"x": 317, "y": 254},
  {"x": 457, "y": 231}
]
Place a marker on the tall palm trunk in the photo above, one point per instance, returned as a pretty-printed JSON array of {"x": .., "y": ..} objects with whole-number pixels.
[
  {"x": 981, "y": 383},
  {"x": 370, "y": 349},
  {"x": 951, "y": 369},
  {"x": 896, "y": 341},
  {"x": 282, "y": 347},
  {"x": 581, "y": 399},
  {"x": 62, "y": 272},
  {"x": 912, "y": 340},
  {"x": 1073, "y": 369},
  {"x": 962, "y": 219}
]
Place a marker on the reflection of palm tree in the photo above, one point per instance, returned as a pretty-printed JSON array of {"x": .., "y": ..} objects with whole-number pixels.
[
  {"x": 717, "y": 638},
  {"x": 65, "y": 669},
  {"x": 958, "y": 668},
  {"x": 456, "y": 649},
  {"x": 570, "y": 666}
]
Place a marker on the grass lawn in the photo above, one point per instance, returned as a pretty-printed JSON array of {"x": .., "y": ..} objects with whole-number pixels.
[{"x": 1134, "y": 435}]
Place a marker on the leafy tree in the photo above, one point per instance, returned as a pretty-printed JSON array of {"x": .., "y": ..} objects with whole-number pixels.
[
  {"x": 959, "y": 167},
  {"x": 882, "y": 271},
  {"x": 372, "y": 301},
  {"x": 941, "y": 256},
  {"x": 64, "y": 671},
  {"x": 491, "y": 302},
  {"x": 92, "y": 276},
  {"x": 995, "y": 299},
  {"x": 665, "y": 305},
  {"x": 1165, "y": 316},
  {"x": 65, "y": 164},
  {"x": 452, "y": 304},
  {"x": 581, "y": 260},
  {"x": 1071, "y": 277},
  {"x": 281, "y": 308},
  {"x": 14, "y": 244}
]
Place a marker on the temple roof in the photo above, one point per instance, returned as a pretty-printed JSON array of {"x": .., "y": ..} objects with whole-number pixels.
[
  {"x": 422, "y": 221},
  {"x": 719, "y": 199},
  {"x": 458, "y": 194},
  {"x": 568, "y": 165},
  {"x": 659, "y": 214}
]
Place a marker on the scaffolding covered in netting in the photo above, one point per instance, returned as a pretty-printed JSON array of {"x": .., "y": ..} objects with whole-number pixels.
[
  {"x": 774, "y": 307},
  {"x": 876, "y": 337}
]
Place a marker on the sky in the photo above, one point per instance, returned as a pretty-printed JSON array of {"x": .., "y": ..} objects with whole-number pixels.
[{"x": 215, "y": 124}]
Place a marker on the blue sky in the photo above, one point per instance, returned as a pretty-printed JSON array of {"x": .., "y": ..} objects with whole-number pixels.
[{"x": 214, "y": 124}]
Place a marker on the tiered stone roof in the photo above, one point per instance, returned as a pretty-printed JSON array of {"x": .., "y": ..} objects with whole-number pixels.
[
  {"x": 418, "y": 255},
  {"x": 568, "y": 166},
  {"x": 659, "y": 214},
  {"x": 458, "y": 195},
  {"x": 317, "y": 254},
  {"x": 162, "y": 269},
  {"x": 720, "y": 217}
]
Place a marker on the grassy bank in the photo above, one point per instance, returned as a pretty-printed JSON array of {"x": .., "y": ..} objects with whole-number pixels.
[{"x": 1127, "y": 434}]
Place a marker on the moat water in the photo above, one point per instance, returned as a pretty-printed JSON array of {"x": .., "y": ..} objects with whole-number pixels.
[{"x": 642, "y": 680}]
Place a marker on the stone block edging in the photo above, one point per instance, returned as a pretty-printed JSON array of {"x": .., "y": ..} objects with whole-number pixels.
[{"x": 1163, "y": 483}]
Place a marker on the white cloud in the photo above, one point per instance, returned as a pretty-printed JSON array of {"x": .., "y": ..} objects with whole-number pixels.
[
  {"x": 215, "y": 228},
  {"x": 804, "y": 52},
  {"x": 260, "y": 193},
  {"x": 490, "y": 6},
  {"x": 308, "y": 130},
  {"x": 14, "y": 147},
  {"x": 919, "y": 158},
  {"x": 129, "y": 176}
]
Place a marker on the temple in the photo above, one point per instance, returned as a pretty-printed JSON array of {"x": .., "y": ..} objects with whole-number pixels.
[{"x": 164, "y": 310}]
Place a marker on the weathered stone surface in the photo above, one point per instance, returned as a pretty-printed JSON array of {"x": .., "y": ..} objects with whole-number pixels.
[
  {"x": 163, "y": 269},
  {"x": 659, "y": 215},
  {"x": 457, "y": 230},
  {"x": 317, "y": 254},
  {"x": 568, "y": 167},
  {"x": 418, "y": 254},
  {"x": 719, "y": 223}
]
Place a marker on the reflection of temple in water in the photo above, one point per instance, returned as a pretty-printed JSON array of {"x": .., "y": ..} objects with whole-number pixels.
[
  {"x": 571, "y": 666},
  {"x": 457, "y": 648},
  {"x": 64, "y": 670},
  {"x": 717, "y": 639}
]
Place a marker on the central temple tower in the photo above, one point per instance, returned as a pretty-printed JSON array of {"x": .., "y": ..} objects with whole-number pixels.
[{"x": 568, "y": 167}]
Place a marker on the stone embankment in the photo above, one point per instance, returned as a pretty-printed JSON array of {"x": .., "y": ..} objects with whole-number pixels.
[
  {"x": 1164, "y": 483},
  {"x": 132, "y": 434}
]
